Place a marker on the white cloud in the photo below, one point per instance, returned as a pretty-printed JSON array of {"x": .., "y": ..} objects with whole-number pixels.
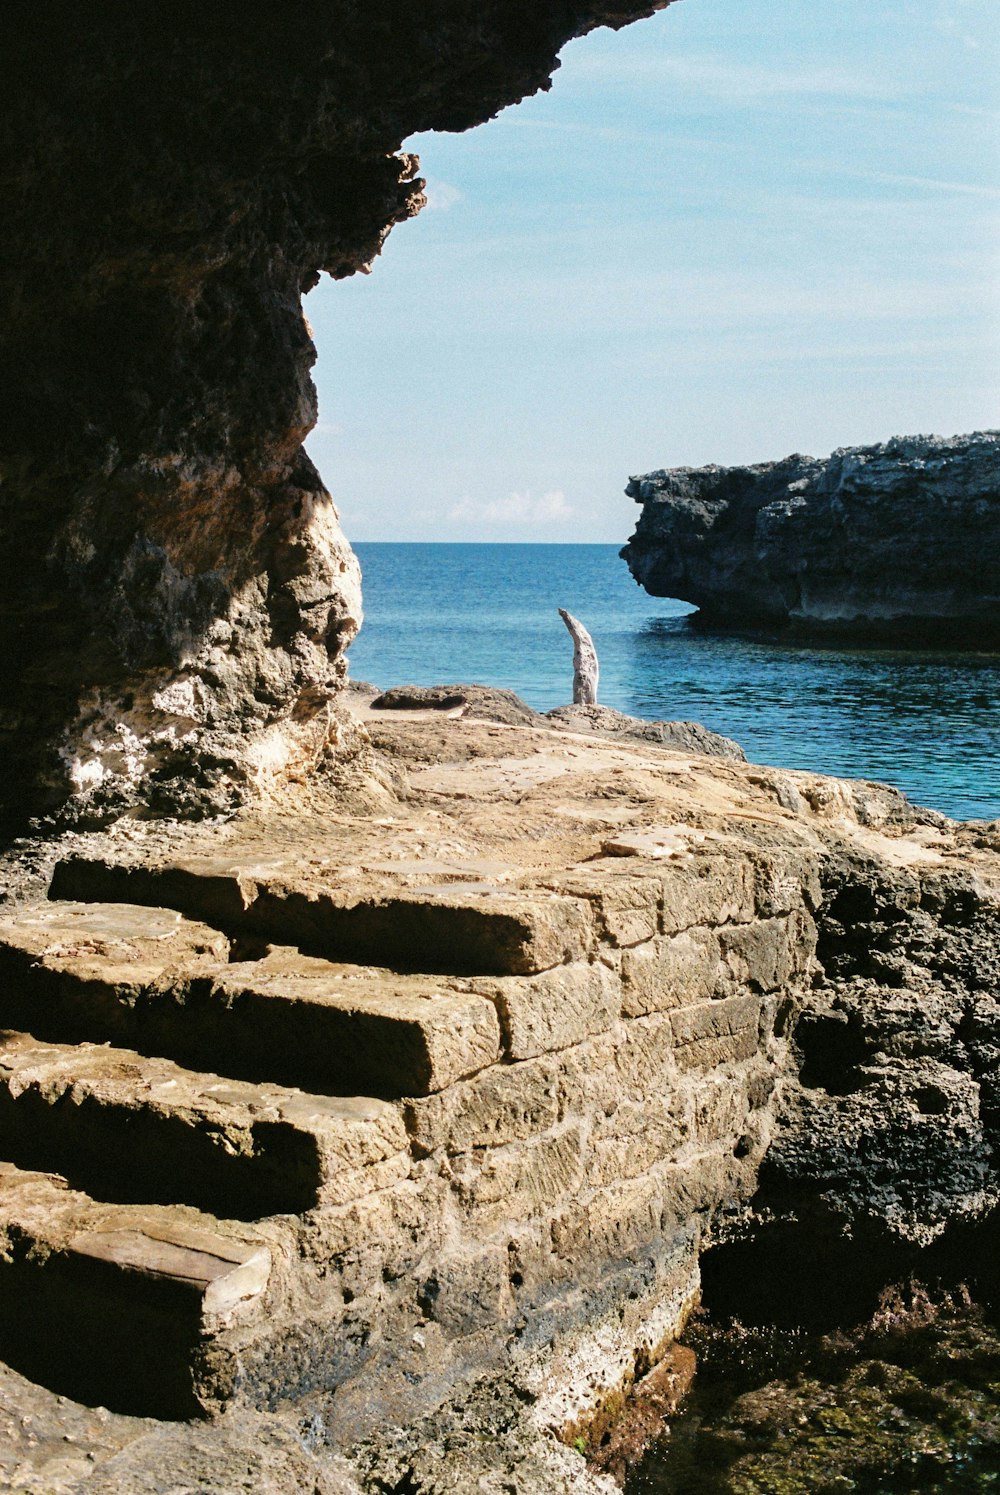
[
  {"x": 970, "y": 110},
  {"x": 630, "y": 135},
  {"x": 694, "y": 302},
  {"x": 952, "y": 26},
  {"x": 518, "y": 508},
  {"x": 441, "y": 196}
]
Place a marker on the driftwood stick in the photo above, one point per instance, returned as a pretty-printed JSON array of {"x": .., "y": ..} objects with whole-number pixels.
[{"x": 585, "y": 668}]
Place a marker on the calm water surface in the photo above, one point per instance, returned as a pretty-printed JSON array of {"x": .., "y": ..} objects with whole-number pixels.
[{"x": 927, "y": 723}]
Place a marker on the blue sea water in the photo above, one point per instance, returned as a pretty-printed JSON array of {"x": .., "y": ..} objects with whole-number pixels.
[{"x": 928, "y": 723}]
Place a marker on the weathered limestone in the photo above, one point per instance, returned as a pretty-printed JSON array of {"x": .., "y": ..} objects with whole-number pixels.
[
  {"x": 177, "y": 592},
  {"x": 492, "y": 1176},
  {"x": 546, "y": 1143},
  {"x": 604, "y": 721},
  {"x": 586, "y": 673},
  {"x": 452, "y": 927},
  {"x": 129, "y": 1127},
  {"x": 891, "y": 1117},
  {"x": 371, "y": 1030},
  {"x": 53, "y": 1446},
  {"x": 666, "y": 971},
  {"x": 486, "y": 703},
  {"x": 142, "y": 1284},
  {"x": 504, "y": 1104},
  {"x": 563, "y": 1006},
  {"x": 306, "y": 1020},
  {"x": 715, "y": 1033},
  {"x": 892, "y": 541},
  {"x": 146, "y": 946}
]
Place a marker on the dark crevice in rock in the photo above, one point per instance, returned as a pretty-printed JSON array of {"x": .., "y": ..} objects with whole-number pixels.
[
  {"x": 805, "y": 1274},
  {"x": 831, "y": 1048}
]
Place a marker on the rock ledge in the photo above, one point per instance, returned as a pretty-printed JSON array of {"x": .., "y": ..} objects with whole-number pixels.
[{"x": 895, "y": 541}]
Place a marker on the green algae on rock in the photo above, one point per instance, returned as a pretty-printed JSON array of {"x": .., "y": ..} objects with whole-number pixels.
[{"x": 909, "y": 1401}]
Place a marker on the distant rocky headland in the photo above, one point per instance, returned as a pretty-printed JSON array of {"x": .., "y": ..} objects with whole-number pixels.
[{"x": 895, "y": 541}]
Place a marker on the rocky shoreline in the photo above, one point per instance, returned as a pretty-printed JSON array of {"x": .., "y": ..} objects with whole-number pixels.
[
  {"x": 639, "y": 1007},
  {"x": 381, "y": 1081},
  {"x": 891, "y": 543}
]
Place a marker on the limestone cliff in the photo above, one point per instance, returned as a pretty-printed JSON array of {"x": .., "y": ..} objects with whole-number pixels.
[
  {"x": 176, "y": 592},
  {"x": 899, "y": 540}
]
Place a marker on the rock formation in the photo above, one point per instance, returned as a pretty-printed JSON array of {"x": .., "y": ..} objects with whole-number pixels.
[
  {"x": 176, "y": 592},
  {"x": 586, "y": 671},
  {"x": 338, "y": 1120},
  {"x": 490, "y": 703},
  {"x": 900, "y": 540},
  {"x": 410, "y": 1136},
  {"x": 604, "y": 721}
]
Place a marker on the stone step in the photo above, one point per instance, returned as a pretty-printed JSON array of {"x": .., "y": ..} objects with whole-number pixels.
[
  {"x": 129, "y": 1128},
  {"x": 119, "y": 1305},
  {"x": 448, "y": 928},
  {"x": 106, "y": 972}
]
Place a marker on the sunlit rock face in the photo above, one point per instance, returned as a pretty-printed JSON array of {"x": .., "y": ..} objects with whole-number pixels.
[
  {"x": 896, "y": 541},
  {"x": 177, "y": 594}
]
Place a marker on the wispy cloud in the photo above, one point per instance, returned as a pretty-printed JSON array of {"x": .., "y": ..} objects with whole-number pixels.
[
  {"x": 933, "y": 184},
  {"x": 954, "y": 27},
  {"x": 441, "y": 196},
  {"x": 628, "y": 135},
  {"x": 971, "y": 111},
  {"x": 691, "y": 302},
  {"x": 735, "y": 82},
  {"x": 518, "y": 508}
]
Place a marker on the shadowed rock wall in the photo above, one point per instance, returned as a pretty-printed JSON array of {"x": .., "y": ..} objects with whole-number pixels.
[
  {"x": 893, "y": 541},
  {"x": 176, "y": 592}
]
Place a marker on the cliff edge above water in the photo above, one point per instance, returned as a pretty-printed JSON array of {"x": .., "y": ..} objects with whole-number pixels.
[{"x": 899, "y": 541}]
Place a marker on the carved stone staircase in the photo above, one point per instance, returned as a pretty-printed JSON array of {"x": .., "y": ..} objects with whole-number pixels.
[
  {"x": 259, "y": 1133},
  {"x": 150, "y": 1113}
]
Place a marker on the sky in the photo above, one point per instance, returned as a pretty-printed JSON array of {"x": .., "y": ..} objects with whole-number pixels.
[{"x": 739, "y": 229}]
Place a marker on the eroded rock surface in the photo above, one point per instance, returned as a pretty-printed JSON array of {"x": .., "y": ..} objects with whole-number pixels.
[
  {"x": 899, "y": 540},
  {"x": 899, "y": 1054},
  {"x": 604, "y": 721},
  {"x": 487, "y": 703},
  {"x": 609, "y": 1004},
  {"x": 177, "y": 594}
]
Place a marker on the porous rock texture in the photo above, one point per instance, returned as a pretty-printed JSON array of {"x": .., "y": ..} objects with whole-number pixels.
[
  {"x": 614, "y": 1008},
  {"x": 604, "y": 721},
  {"x": 177, "y": 594},
  {"x": 898, "y": 1053},
  {"x": 488, "y": 703},
  {"x": 896, "y": 541}
]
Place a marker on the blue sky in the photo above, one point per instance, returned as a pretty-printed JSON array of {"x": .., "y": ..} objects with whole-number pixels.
[{"x": 731, "y": 232}]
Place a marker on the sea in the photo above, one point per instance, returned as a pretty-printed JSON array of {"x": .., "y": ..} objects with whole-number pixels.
[{"x": 926, "y": 722}]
